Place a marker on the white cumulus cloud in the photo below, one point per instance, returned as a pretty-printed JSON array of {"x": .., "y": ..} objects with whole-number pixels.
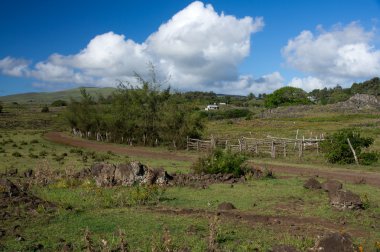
[
  {"x": 337, "y": 56},
  {"x": 197, "y": 48}
]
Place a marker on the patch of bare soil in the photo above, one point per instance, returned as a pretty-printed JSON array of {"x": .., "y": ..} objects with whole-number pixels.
[
  {"x": 357, "y": 177},
  {"x": 62, "y": 138},
  {"x": 297, "y": 225}
]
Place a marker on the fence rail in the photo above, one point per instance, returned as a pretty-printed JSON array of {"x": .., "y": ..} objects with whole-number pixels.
[{"x": 274, "y": 146}]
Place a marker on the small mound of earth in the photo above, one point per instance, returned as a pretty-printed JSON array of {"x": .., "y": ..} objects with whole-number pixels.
[
  {"x": 332, "y": 186},
  {"x": 11, "y": 197},
  {"x": 226, "y": 206},
  {"x": 283, "y": 248},
  {"x": 343, "y": 200},
  {"x": 333, "y": 242},
  {"x": 312, "y": 183}
]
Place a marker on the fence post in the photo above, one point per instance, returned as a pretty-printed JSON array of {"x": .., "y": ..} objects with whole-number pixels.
[
  {"x": 187, "y": 143},
  {"x": 240, "y": 147},
  {"x": 197, "y": 145},
  {"x": 284, "y": 149},
  {"x": 273, "y": 150}
]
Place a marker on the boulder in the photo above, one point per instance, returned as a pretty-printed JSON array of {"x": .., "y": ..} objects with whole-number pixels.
[
  {"x": 8, "y": 189},
  {"x": 226, "y": 206},
  {"x": 312, "y": 183},
  {"x": 104, "y": 174},
  {"x": 130, "y": 174},
  {"x": 333, "y": 242},
  {"x": 283, "y": 248},
  {"x": 344, "y": 200},
  {"x": 331, "y": 186}
]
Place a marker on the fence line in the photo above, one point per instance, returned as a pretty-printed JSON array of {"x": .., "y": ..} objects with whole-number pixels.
[{"x": 274, "y": 146}]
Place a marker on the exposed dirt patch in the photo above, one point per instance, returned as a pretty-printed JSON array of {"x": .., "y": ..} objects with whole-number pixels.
[
  {"x": 59, "y": 137},
  {"x": 295, "y": 224},
  {"x": 370, "y": 178}
]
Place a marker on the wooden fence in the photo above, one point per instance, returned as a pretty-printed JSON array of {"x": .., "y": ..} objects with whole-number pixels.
[{"x": 274, "y": 146}]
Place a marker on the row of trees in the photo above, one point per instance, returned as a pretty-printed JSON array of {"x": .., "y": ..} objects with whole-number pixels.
[{"x": 142, "y": 114}]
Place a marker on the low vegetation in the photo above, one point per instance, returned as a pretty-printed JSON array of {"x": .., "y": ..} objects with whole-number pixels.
[
  {"x": 219, "y": 161},
  {"x": 337, "y": 147}
]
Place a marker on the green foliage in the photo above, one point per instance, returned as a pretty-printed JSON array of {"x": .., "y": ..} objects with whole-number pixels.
[
  {"x": 219, "y": 161},
  {"x": 286, "y": 96},
  {"x": 337, "y": 149},
  {"x": 59, "y": 103},
  {"x": 371, "y": 87},
  {"x": 141, "y": 114},
  {"x": 16, "y": 154},
  {"x": 45, "y": 109},
  {"x": 225, "y": 114},
  {"x": 1, "y": 107}
]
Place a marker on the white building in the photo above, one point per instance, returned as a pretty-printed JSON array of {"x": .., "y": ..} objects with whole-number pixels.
[{"x": 212, "y": 107}]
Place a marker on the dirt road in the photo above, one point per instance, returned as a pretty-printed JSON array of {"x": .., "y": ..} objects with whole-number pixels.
[
  {"x": 371, "y": 178},
  {"x": 62, "y": 138}
]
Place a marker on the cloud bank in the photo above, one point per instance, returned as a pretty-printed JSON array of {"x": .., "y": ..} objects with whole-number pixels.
[
  {"x": 338, "y": 56},
  {"x": 198, "y": 48}
]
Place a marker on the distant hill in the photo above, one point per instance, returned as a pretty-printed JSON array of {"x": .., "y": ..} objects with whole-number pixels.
[{"x": 49, "y": 97}]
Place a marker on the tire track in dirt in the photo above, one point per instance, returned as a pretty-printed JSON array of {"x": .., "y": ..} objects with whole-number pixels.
[{"x": 294, "y": 224}]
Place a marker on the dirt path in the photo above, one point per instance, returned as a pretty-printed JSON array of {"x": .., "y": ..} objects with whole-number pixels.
[
  {"x": 62, "y": 138},
  {"x": 294, "y": 224},
  {"x": 356, "y": 177},
  {"x": 351, "y": 176}
]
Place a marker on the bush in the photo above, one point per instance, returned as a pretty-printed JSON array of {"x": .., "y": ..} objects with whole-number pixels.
[
  {"x": 59, "y": 103},
  {"x": 219, "y": 161},
  {"x": 16, "y": 154},
  {"x": 225, "y": 114},
  {"x": 45, "y": 109},
  {"x": 337, "y": 149},
  {"x": 368, "y": 158},
  {"x": 34, "y": 141}
]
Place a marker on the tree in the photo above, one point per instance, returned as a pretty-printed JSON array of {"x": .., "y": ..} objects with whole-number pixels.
[
  {"x": 1, "y": 107},
  {"x": 337, "y": 149},
  {"x": 286, "y": 96}
]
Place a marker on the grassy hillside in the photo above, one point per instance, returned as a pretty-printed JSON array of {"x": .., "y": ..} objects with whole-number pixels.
[{"x": 49, "y": 97}]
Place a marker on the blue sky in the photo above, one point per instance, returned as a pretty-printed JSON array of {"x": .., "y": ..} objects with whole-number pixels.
[{"x": 224, "y": 46}]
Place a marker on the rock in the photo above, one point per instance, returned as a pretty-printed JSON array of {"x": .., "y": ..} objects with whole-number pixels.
[
  {"x": 104, "y": 174},
  {"x": 226, "y": 206},
  {"x": 343, "y": 200},
  {"x": 312, "y": 183},
  {"x": 331, "y": 186},
  {"x": 284, "y": 248},
  {"x": 333, "y": 242},
  {"x": 8, "y": 189},
  {"x": 130, "y": 174}
]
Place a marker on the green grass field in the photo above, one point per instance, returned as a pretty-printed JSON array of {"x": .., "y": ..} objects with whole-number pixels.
[{"x": 105, "y": 211}]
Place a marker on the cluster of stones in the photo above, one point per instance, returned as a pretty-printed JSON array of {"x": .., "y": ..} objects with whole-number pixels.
[{"x": 339, "y": 198}]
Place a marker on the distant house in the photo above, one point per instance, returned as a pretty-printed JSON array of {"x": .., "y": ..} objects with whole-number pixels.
[
  {"x": 222, "y": 103},
  {"x": 212, "y": 107}
]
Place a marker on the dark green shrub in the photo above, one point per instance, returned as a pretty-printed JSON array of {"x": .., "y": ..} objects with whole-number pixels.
[
  {"x": 16, "y": 154},
  {"x": 219, "y": 161},
  {"x": 24, "y": 143},
  {"x": 368, "y": 158},
  {"x": 59, "y": 103},
  {"x": 225, "y": 114},
  {"x": 45, "y": 109},
  {"x": 31, "y": 155},
  {"x": 34, "y": 141},
  {"x": 43, "y": 153},
  {"x": 337, "y": 149}
]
